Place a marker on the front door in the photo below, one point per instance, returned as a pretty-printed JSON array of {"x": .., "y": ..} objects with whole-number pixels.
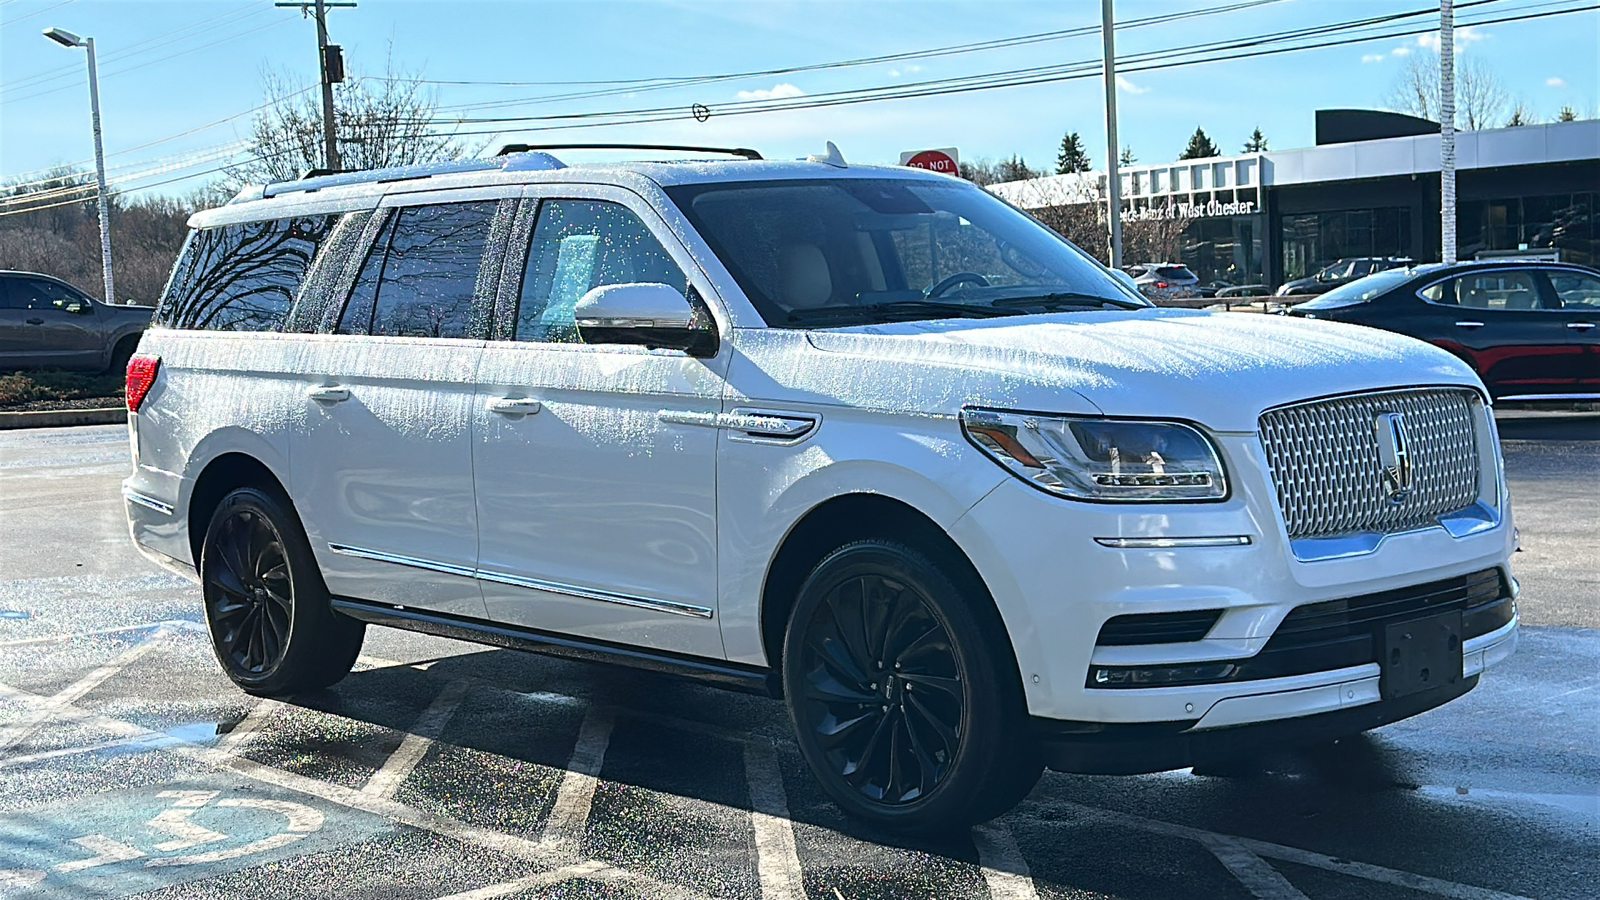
[
  {"x": 384, "y": 464},
  {"x": 1497, "y": 319},
  {"x": 596, "y": 473},
  {"x": 1575, "y": 295},
  {"x": 57, "y": 326}
]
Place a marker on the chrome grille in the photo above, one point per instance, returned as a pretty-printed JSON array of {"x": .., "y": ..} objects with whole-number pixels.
[{"x": 1325, "y": 463}]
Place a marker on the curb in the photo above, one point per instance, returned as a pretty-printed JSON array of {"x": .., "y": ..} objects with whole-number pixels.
[{"x": 56, "y": 418}]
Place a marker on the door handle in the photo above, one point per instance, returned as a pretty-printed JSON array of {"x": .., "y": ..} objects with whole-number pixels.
[
  {"x": 35, "y": 321},
  {"x": 515, "y": 406},
  {"x": 1580, "y": 326},
  {"x": 329, "y": 394},
  {"x": 1469, "y": 324}
]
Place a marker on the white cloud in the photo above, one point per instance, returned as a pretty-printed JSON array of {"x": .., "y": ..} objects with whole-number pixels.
[
  {"x": 1130, "y": 87},
  {"x": 1372, "y": 57},
  {"x": 1400, "y": 51},
  {"x": 1555, "y": 82},
  {"x": 1464, "y": 37},
  {"x": 776, "y": 92}
]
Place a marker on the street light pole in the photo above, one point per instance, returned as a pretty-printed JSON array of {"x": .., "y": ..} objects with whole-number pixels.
[
  {"x": 1113, "y": 176},
  {"x": 68, "y": 39}
]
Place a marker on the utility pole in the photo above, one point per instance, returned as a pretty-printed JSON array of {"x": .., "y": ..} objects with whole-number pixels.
[
  {"x": 1447, "y": 131},
  {"x": 1113, "y": 174},
  {"x": 330, "y": 66}
]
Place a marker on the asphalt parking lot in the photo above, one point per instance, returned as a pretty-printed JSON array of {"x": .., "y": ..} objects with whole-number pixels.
[{"x": 129, "y": 766}]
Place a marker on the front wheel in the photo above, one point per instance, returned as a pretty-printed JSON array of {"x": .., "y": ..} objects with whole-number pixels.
[
  {"x": 903, "y": 696},
  {"x": 272, "y": 627}
]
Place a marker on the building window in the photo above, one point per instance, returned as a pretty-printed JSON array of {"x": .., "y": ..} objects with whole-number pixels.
[
  {"x": 1315, "y": 240},
  {"x": 1562, "y": 222}
]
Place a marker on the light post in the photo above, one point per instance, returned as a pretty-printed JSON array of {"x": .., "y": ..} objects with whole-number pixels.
[{"x": 68, "y": 39}]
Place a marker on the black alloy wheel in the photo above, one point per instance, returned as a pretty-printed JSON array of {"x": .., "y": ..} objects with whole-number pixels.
[
  {"x": 272, "y": 627},
  {"x": 249, "y": 597},
  {"x": 872, "y": 644},
  {"x": 903, "y": 692}
]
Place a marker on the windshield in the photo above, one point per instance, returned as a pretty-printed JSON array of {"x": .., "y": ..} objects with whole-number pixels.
[
  {"x": 1362, "y": 289},
  {"x": 826, "y": 253}
]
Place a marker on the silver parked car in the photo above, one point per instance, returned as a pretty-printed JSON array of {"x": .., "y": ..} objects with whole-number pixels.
[{"x": 47, "y": 323}]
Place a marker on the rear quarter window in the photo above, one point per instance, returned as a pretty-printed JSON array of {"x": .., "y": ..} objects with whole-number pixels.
[{"x": 242, "y": 277}]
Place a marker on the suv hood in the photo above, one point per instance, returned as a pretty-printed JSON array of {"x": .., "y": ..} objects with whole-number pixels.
[{"x": 1220, "y": 369}]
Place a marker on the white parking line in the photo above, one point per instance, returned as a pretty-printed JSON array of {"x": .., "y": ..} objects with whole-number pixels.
[
  {"x": 1262, "y": 880},
  {"x": 1004, "y": 869},
  {"x": 427, "y": 729},
  {"x": 777, "y": 861},
  {"x": 246, "y": 729},
  {"x": 541, "y": 879},
  {"x": 1366, "y": 871},
  {"x": 169, "y": 624},
  {"x": 569, "y": 816},
  {"x": 17, "y": 732}
]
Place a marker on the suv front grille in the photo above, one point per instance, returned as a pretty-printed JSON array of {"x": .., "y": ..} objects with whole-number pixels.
[{"x": 1324, "y": 458}]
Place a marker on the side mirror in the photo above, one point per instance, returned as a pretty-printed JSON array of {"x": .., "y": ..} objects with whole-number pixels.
[{"x": 650, "y": 315}]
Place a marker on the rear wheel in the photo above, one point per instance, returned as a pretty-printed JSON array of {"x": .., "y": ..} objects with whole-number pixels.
[
  {"x": 272, "y": 627},
  {"x": 903, "y": 697}
]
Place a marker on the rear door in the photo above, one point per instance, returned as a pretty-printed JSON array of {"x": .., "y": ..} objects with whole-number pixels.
[
  {"x": 1498, "y": 320},
  {"x": 384, "y": 463},
  {"x": 57, "y": 325}
]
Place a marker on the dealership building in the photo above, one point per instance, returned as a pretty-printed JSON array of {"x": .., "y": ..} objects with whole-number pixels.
[{"x": 1369, "y": 188}]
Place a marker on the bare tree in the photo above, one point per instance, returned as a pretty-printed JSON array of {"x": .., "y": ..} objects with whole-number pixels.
[
  {"x": 1481, "y": 100},
  {"x": 379, "y": 122}
]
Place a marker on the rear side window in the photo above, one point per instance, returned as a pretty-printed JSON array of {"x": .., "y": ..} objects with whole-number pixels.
[
  {"x": 421, "y": 277},
  {"x": 242, "y": 277}
]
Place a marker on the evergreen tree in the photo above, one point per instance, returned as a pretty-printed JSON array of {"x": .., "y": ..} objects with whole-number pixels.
[
  {"x": 1200, "y": 147},
  {"x": 1257, "y": 142},
  {"x": 1127, "y": 158},
  {"x": 1014, "y": 169},
  {"x": 1072, "y": 158},
  {"x": 1567, "y": 115}
]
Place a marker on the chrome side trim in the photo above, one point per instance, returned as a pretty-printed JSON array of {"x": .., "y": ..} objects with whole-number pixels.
[
  {"x": 399, "y": 560},
  {"x": 650, "y": 603},
  {"x": 133, "y": 496},
  {"x": 1232, "y": 540},
  {"x": 757, "y": 425}
]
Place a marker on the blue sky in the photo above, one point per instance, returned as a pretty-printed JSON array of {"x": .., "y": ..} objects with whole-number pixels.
[{"x": 185, "y": 65}]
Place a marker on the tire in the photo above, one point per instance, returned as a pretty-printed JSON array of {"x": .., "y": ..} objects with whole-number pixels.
[
  {"x": 271, "y": 625},
  {"x": 121, "y": 354},
  {"x": 903, "y": 693}
]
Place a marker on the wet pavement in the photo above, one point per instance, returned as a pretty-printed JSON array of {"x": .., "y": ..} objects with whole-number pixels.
[{"x": 129, "y": 766}]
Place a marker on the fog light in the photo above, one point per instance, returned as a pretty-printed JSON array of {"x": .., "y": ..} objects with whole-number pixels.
[{"x": 1159, "y": 676}]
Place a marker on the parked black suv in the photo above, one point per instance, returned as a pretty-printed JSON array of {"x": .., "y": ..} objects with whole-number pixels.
[
  {"x": 1343, "y": 271},
  {"x": 45, "y": 322}
]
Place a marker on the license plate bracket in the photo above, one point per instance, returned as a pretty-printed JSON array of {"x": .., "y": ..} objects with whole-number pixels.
[{"x": 1421, "y": 655}]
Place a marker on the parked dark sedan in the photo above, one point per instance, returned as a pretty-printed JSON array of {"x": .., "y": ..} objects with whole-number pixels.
[
  {"x": 45, "y": 322},
  {"x": 1341, "y": 272},
  {"x": 1531, "y": 330}
]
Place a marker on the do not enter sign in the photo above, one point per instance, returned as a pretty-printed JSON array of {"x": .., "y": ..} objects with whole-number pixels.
[{"x": 933, "y": 160}]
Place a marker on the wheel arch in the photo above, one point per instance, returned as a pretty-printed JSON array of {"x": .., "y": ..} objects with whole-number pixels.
[
  {"x": 224, "y": 473},
  {"x": 850, "y": 517}
]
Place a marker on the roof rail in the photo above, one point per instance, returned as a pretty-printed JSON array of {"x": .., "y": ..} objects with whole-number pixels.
[
  {"x": 729, "y": 151},
  {"x": 394, "y": 173}
]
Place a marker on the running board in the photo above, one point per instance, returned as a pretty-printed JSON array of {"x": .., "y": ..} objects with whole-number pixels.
[{"x": 717, "y": 673}]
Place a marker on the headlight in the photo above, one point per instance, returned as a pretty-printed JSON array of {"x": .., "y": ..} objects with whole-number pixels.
[{"x": 1108, "y": 460}]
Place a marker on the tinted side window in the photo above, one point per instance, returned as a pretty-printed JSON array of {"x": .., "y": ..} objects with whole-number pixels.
[
  {"x": 242, "y": 277},
  {"x": 426, "y": 275},
  {"x": 1508, "y": 290},
  {"x": 36, "y": 293},
  {"x": 579, "y": 245},
  {"x": 1576, "y": 290}
]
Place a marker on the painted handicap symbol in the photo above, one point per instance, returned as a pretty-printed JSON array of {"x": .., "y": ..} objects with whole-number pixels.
[{"x": 176, "y": 820}]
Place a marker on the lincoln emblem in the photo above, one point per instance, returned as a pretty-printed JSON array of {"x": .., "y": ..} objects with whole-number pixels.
[{"x": 1394, "y": 454}]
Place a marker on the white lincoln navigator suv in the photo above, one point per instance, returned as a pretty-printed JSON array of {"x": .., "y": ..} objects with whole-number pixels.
[{"x": 867, "y": 439}]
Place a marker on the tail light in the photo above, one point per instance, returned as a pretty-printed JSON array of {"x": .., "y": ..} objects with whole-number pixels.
[
  {"x": 1161, "y": 284},
  {"x": 142, "y": 368}
]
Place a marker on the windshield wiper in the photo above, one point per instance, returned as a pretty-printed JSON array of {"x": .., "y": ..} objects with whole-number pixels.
[
  {"x": 899, "y": 309},
  {"x": 1064, "y": 300}
]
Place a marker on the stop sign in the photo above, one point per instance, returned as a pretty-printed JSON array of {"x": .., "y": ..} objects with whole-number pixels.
[{"x": 933, "y": 160}]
